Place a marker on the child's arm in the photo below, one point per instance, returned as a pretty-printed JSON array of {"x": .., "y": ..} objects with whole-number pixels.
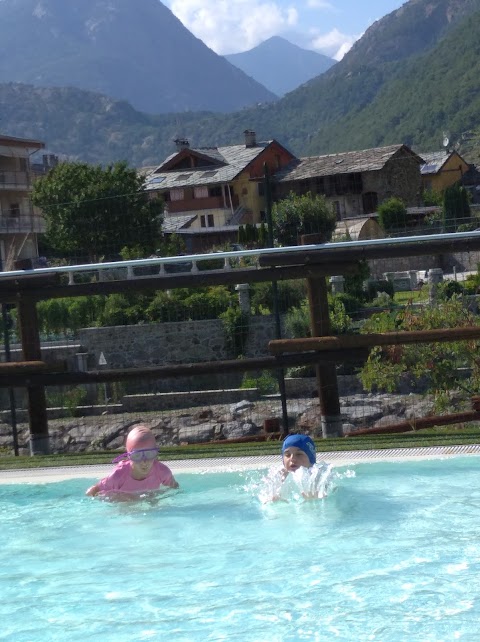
[
  {"x": 93, "y": 490},
  {"x": 173, "y": 483}
]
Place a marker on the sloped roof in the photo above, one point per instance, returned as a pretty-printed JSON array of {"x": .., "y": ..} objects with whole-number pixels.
[
  {"x": 21, "y": 142},
  {"x": 434, "y": 161},
  {"x": 359, "y": 229},
  {"x": 176, "y": 223},
  {"x": 365, "y": 160},
  {"x": 227, "y": 163}
]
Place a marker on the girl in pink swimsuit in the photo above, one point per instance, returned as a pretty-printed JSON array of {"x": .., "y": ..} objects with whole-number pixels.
[{"x": 138, "y": 469}]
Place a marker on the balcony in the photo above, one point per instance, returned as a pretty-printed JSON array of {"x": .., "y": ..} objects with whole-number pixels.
[
  {"x": 21, "y": 224},
  {"x": 14, "y": 181},
  {"x": 199, "y": 204}
]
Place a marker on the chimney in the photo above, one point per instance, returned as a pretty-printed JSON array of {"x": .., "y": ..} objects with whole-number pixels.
[
  {"x": 181, "y": 143},
  {"x": 250, "y": 138},
  {"x": 49, "y": 161}
]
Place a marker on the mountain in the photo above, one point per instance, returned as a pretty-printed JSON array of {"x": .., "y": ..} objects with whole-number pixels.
[
  {"x": 412, "y": 75},
  {"x": 280, "y": 65},
  {"x": 335, "y": 105},
  {"x": 135, "y": 50}
]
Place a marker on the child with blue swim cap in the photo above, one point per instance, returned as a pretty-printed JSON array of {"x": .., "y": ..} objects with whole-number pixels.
[
  {"x": 297, "y": 451},
  {"x": 301, "y": 476}
]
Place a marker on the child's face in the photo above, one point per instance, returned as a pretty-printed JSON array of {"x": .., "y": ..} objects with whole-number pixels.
[
  {"x": 294, "y": 458},
  {"x": 141, "y": 469}
]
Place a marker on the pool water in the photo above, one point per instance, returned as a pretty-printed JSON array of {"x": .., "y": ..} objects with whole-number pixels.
[{"x": 392, "y": 554}]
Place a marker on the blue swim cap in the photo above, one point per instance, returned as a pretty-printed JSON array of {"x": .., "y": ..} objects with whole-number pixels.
[{"x": 304, "y": 442}]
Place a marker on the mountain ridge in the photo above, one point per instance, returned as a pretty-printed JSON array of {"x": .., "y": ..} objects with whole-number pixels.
[
  {"x": 360, "y": 102},
  {"x": 128, "y": 49},
  {"x": 280, "y": 65}
]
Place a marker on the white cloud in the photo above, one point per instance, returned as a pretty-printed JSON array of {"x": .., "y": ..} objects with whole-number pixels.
[
  {"x": 230, "y": 26},
  {"x": 319, "y": 4},
  {"x": 334, "y": 43}
]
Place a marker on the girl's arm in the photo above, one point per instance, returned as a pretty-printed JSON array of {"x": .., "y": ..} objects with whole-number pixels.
[{"x": 93, "y": 490}]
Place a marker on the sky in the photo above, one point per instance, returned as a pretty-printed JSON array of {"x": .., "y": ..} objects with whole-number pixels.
[{"x": 327, "y": 26}]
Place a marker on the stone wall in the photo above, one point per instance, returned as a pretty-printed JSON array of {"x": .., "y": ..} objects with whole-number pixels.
[
  {"x": 460, "y": 261},
  {"x": 169, "y": 343}
]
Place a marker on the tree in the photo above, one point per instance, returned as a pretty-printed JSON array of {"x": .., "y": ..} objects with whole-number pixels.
[
  {"x": 439, "y": 368},
  {"x": 92, "y": 211},
  {"x": 431, "y": 198},
  {"x": 456, "y": 207},
  {"x": 392, "y": 214},
  {"x": 297, "y": 215}
]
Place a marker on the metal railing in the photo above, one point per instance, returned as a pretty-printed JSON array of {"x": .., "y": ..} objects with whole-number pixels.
[
  {"x": 14, "y": 180},
  {"x": 190, "y": 263},
  {"x": 23, "y": 224}
]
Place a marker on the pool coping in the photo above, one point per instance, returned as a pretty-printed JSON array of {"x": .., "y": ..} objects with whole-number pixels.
[{"x": 235, "y": 464}]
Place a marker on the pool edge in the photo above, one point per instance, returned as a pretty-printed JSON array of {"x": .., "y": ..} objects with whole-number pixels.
[{"x": 336, "y": 458}]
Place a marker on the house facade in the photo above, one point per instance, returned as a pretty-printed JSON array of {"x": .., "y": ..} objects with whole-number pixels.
[
  {"x": 20, "y": 222},
  {"x": 211, "y": 191},
  {"x": 442, "y": 169},
  {"x": 355, "y": 183}
]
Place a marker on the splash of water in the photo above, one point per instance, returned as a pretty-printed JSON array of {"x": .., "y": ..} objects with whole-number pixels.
[{"x": 304, "y": 483}]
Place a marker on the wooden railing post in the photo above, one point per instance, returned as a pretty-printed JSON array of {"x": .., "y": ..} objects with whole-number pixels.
[
  {"x": 327, "y": 384},
  {"x": 37, "y": 403}
]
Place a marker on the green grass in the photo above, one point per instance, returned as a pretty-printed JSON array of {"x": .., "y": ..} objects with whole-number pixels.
[
  {"x": 402, "y": 298},
  {"x": 447, "y": 436}
]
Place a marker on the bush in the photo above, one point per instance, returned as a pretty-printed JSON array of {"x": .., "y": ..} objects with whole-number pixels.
[
  {"x": 307, "y": 214},
  {"x": 266, "y": 383},
  {"x": 447, "y": 289},
  {"x": 290, "y": 295},
  {"x": 235, "y": 324},
  {"x": 297, "y": 321},
  {"x": 350, "y": 303},
  {"x": 392, "y": 214}
]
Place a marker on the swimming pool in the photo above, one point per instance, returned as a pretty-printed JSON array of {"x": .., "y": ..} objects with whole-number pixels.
[{"x": 392, "y": 554}]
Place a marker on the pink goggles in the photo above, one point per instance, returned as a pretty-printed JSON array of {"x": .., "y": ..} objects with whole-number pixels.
[{"x": 142, "y": 454}]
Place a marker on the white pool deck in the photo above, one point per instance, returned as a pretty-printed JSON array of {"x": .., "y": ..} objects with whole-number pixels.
[{"x": 227, "y": 464}]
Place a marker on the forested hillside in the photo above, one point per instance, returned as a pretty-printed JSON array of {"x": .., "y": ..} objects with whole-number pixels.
[{"x": 413, "y": 75}]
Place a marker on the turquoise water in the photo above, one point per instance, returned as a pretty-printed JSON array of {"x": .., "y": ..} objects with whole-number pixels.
[{"x": 391, "y": 554}]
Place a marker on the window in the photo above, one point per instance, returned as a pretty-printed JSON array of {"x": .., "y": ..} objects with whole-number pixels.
[
  {"x": 207, "y": 220},
  {"x": 318, "y": 185},
  {"x": 336, "y": 207},
  {"x": 200, "y": 192},
  {"x": 14, "y": 210},
  {"x": 177, "y": 194},
  {"x": 348, "y": 183},
  {"x": 23, "y": 164},
  {"x": 261, "y": 188},
  {"x": 215, "y": 191},
  {"x": 370, "y": 202}
]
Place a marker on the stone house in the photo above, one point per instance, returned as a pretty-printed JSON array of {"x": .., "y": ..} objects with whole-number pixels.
[
  {"x": 20, "y": 221},
  {"x": 355, "y": 182}
]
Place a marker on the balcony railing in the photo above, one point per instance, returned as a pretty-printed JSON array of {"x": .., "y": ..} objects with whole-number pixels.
[
  {"x": 14, "y": 180},
  {"x": 21, "y": 224}
]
